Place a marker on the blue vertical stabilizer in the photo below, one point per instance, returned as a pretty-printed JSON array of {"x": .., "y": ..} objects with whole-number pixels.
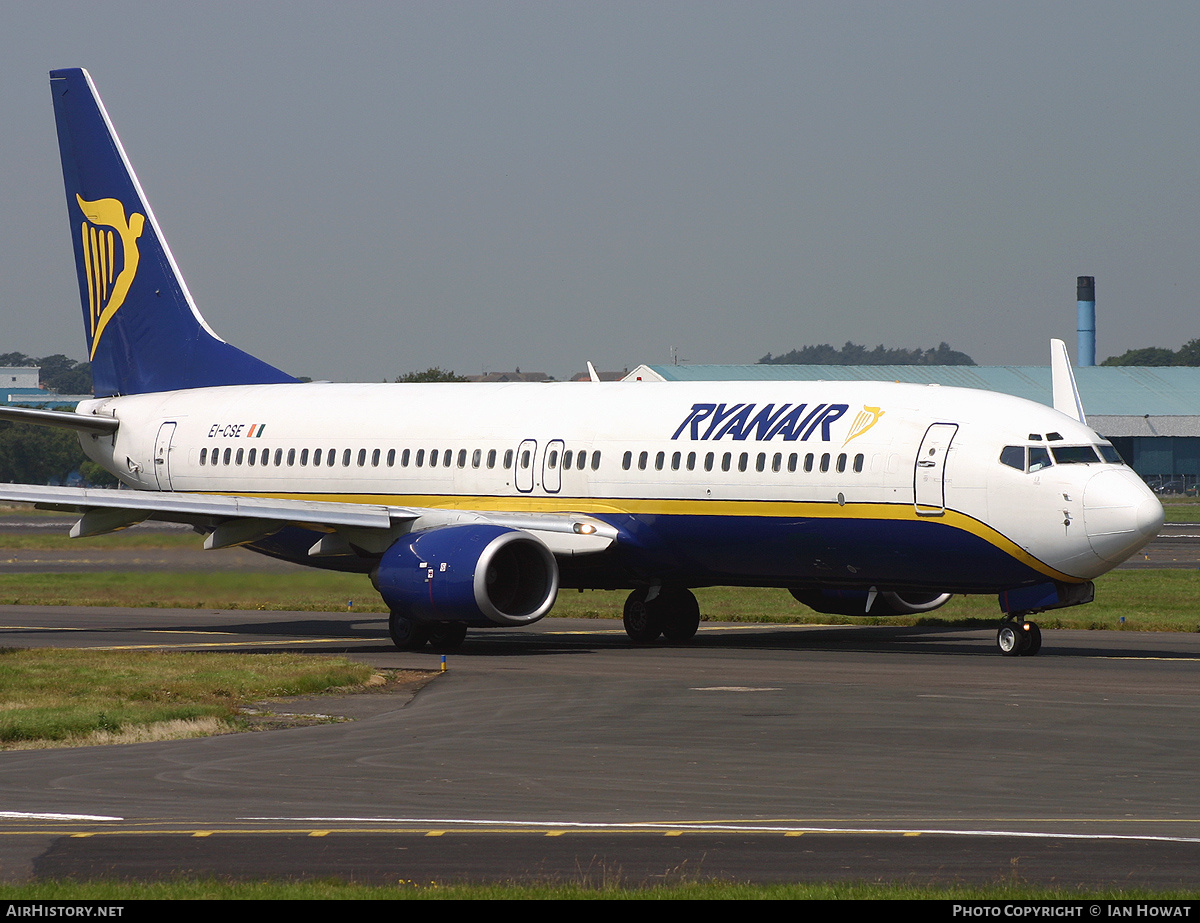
[{"x": 142, "y": 327}]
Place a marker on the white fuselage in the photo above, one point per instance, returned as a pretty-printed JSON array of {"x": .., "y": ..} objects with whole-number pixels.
[{"x": 712, "y": 467}]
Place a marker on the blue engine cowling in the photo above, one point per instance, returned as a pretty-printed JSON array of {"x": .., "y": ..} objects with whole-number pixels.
[
  {"x": 476, "y": 574},
  {"x": 854, "y": 602}
]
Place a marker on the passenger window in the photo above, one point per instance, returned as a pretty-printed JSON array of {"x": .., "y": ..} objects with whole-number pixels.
[
  {"x": 808, "y": 462},
  {"x": 375, "y": 458},
  {"x": 824, "y": 462},
  {"x": 252, "y": 457},
  {"x": 659, "y": 460},
  {"x": 291, "y": 457},
  {"x": 582, "y": 461},
  {"x": 203, "y": 456},
  {"x": 841, "y": 463},
  {"x": 743, "y": 461},
  {"x": 228, "y": 453},
  {"x": 793, "y": 460},
  {"x": 462, "y": 458},
  {"x": 595, "y": 461},
  {"x": 362, "y": 457},
  {"x": 420, "y": 458},
  {"x": 316, "y": 457},
  {"x": 858, "y": 463},
  {"x": 777, "y": 462},
  {"x": 552, "y": 459},
  {"x": 404, "y": 458},
  {"x": 476, "y": 458},
  {"x": 346, "y": 458},
  {"x": 708, "y": 462},
  {"x": 726, "y": 461},
  {"x": 568, "y": 457},
  {"x": 433, "y": 458},
  {"x": 643, "y": 460},
  {"x": 304, "y": 457},
  {"x": 491, "y": 458},
  {"x": 760, "y": 463},
  {"x": 525, "y": 459},
  {"x": 391, "y": 459},
  {"x": 508, "y": 459},
  {"x": 676, "y": 460},
  {"x": 691, "y": 461}
]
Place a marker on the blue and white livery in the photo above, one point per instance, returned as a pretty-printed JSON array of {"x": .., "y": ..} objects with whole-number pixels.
[{"x": 471, "y": 505}]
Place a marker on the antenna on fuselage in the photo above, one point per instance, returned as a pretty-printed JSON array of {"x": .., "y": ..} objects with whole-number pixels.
[{"x": 1062, "y": 383}]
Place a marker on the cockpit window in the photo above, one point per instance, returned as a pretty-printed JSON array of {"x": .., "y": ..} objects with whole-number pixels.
[
  {"x": 1013, "y": 456},
  {"x": 1109, "y": 454},
  {"x": 1039, "y": 458},
  {"x": 1075, "y": 455}
]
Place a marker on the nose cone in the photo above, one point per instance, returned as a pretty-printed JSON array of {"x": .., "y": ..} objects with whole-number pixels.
[{"x": 1120, "y": 514}]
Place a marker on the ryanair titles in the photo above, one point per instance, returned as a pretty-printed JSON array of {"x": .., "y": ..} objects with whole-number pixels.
[{"x": 750, "y": 421}]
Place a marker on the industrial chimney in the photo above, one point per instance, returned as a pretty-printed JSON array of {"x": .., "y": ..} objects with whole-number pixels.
[{"x": 1086, "y": 296}]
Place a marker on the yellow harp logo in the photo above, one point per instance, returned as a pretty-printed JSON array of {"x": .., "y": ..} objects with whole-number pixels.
[
  {"x": 108, "y": 239},
  {"x": 867, "y": 417}
]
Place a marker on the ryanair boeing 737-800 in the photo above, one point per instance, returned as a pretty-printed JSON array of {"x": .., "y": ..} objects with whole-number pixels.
[{"x": 862, "y": 498}]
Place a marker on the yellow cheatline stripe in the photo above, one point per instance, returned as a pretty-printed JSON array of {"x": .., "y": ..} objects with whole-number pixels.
[{"x": 775, "y": 509}]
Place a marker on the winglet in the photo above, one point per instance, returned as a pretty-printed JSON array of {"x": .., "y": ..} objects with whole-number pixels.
[
  {"x": 1062, "y": 383},
  {"x": 592, "y": 372}
]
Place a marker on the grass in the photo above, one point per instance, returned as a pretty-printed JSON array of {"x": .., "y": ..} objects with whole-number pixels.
[
  {"x": 1147, "y": 600},
  {"x": 71, "y": 697},
  {"x": 213, "y": 889},
  {"x": 1181, "y": 509}
]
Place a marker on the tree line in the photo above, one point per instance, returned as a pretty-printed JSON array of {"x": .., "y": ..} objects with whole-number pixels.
[
  {"x": 1188, "y": 354},
  {"x": 854, "y": 354}
]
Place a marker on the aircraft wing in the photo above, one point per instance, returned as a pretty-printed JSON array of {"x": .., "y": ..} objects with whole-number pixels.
[{"x": 236, "y": 520}]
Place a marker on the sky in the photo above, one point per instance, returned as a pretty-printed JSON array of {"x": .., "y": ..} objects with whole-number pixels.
[{"x": 358, "y": 190}]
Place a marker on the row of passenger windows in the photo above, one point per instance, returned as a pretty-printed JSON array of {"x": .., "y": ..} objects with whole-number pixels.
[
  {"x": 1036, "y": 457},
  {"x": 523, "y": 458},
  {"x": 776, "y": 461},
  {"x": 406, "y": 458}
]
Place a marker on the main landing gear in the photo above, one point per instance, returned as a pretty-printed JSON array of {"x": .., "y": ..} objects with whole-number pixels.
[
  {"x": 1017, "y": 637},
  {"x": 411, "y": 635},
  {"x": 668, "y": 611}
]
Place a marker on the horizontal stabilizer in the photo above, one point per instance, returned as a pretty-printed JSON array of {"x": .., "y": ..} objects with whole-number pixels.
[{"x": 97, "y": 426}]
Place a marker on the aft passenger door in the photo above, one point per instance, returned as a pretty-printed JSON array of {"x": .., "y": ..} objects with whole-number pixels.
[
  {"x": 162, "y": 455},
  {"x": 929, "y": 474}
]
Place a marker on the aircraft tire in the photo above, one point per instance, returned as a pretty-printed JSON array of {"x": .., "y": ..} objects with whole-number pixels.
[
  {"x": 445, "y": 637},
  {"x": 1011, "y": 640},
  {"x": 681, "y": 614},
  {"x": 643, "y": 621},
  {"x": 1035, "y": 640},
  {"x": 407, "y": 634}
]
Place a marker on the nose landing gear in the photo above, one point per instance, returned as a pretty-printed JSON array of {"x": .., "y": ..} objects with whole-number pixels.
[{"x": 1017, "y": 637}]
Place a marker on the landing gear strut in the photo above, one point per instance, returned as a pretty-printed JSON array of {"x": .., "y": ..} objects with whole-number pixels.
[
  {"x": 669, "y": 611},
  {"x": 1017, "y": 637}
]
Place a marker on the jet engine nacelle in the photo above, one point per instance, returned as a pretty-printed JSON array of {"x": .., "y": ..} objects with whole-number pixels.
[
  {"x": 854, "y": 602},
  {"x": 477, "y": 574}
]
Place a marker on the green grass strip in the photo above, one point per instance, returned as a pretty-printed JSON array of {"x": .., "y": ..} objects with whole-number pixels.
[
  {"x": 66, "y": 695},
  {"x": 1147, "y": 600}
]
